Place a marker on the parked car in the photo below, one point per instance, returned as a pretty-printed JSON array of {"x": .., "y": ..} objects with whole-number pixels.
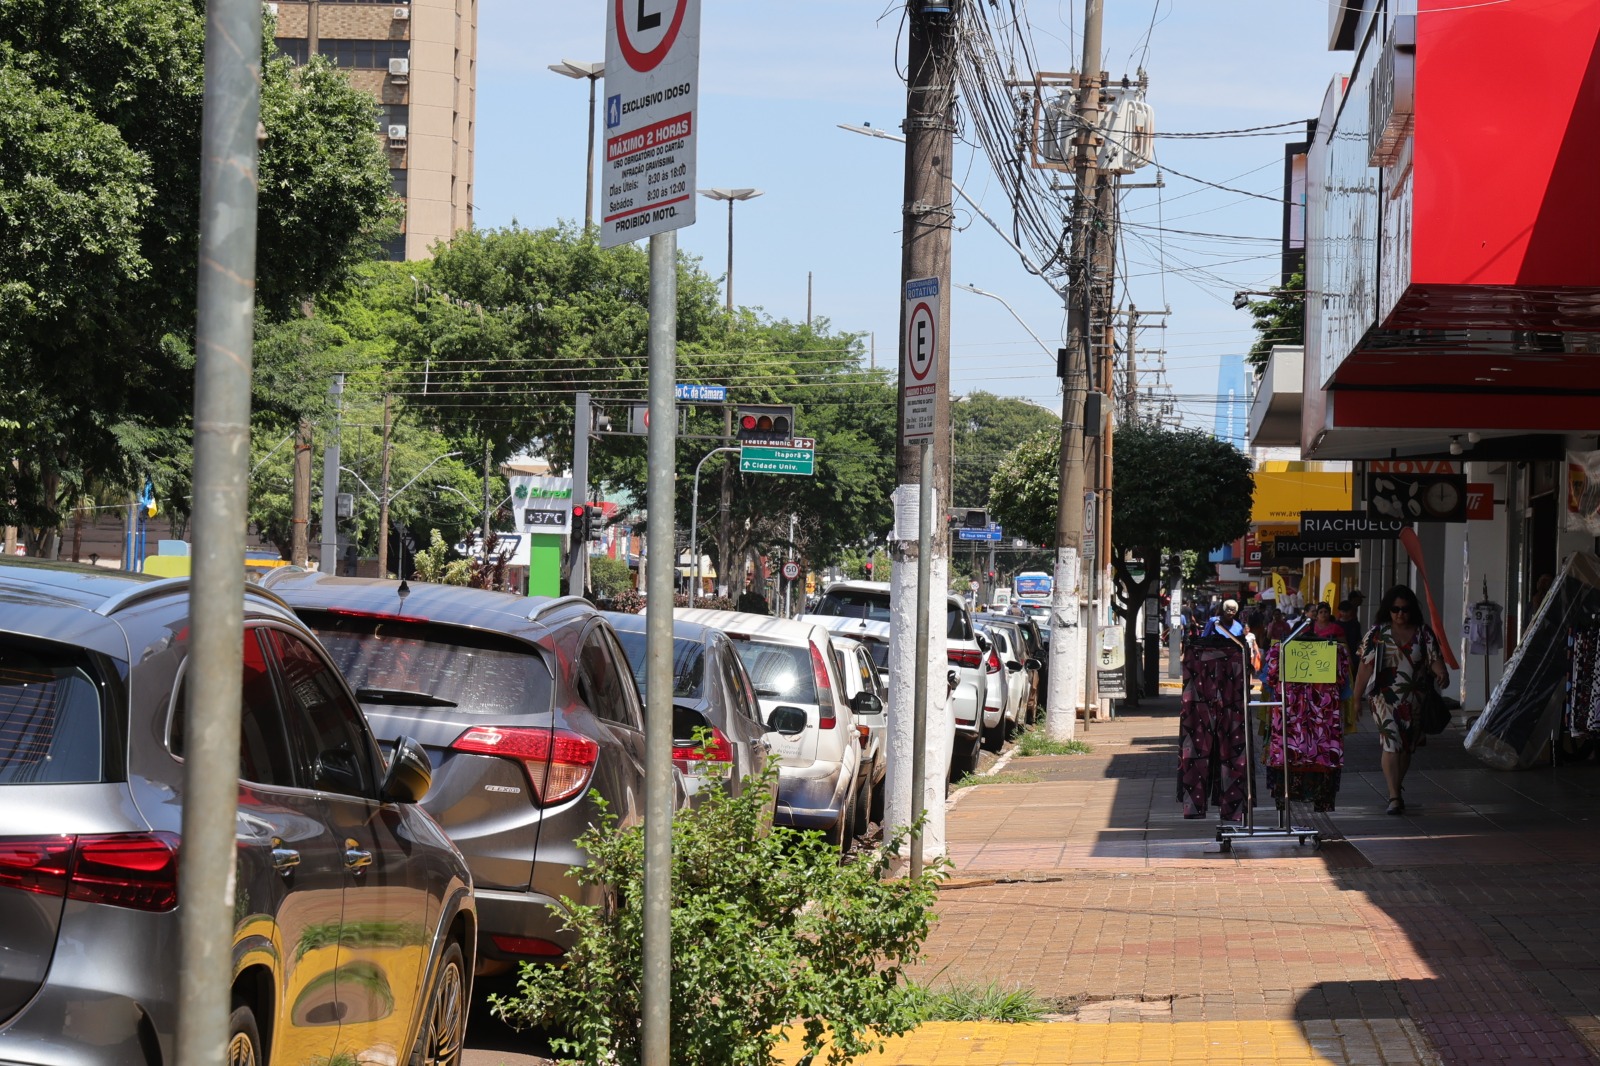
[
  {"x": 354, "y": 928},
  {"x": 964, "y": 652},
  {"x": 1015, "y": 676},
  {"x": 860, "y": 675},
  {"x": 1037, "y": 650},
  {"x": 710, "y": 690},
  {"x": 811, "y": 727},
  {"x": 872, "y": 634},
  {"x": 528, "y": 708}
]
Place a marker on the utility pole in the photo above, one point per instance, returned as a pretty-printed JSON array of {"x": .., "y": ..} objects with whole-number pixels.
[
  {"x": 383, "y": 496},
  {"x": 328, "y": 560},
  {"x": 578, "y": 569},
  {"x": 487, "y": 502},
  {"x": 924, "y": 394},
  {"x": 1132, "y": 398},
  {"x": 299, "y": 535},
  {"x": 1067, "y": 656}
]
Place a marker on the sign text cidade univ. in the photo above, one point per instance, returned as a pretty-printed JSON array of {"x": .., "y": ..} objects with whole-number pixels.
[{"x": 652, "y": 89}]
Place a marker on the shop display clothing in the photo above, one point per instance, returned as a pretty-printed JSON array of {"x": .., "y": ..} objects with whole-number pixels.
[
  {"x": 1212, "y": 763},
  {"x": 1315, "y": 717},
  {"x": 1397, "y": 671},
  {"x": 1582, "y": 710}
]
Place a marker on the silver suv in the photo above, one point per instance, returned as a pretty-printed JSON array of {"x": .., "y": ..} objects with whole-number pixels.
[{"x": 965, "y": 650}]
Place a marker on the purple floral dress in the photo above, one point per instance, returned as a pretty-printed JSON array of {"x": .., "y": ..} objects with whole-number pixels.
[
  {"x": 1398, "y": 671},
  {"x": 1211, "y": 755},
  {"x": 1316, "y": 736}
]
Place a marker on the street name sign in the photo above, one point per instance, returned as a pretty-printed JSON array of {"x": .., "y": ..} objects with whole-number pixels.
[
  {"x": 919, "y": 361},
  {"x": 702, "y": 393},
  {"x": 799, "y": 458},
  {"x": 652, "y": 121},
  {"x": 993, "y": 533}
]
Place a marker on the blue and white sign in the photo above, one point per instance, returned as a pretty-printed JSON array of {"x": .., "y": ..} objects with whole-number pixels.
[
  {"x": 994, "y": 533},
  {"x": 702, "y": 393}
]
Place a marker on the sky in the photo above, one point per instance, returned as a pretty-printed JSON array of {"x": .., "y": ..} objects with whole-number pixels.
[{"x": 776, "y": 80}]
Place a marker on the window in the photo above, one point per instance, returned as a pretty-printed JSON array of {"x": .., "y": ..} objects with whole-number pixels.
[
  {"x": 393, "y": 250},
  {"x": 264, "y": 754},
  {"x": 956, "y": 625},
  {"x": 779, "y": 671},
  {"x": 296, "y": 48},
  {"x": 336, "y": 748},
  {"x": 397, "y": 183},
  {"x": 51, "y": 722},
  {"x": 688, "y": 663},
  {"x": 744, "y": 696},
  {"x": 605, "y": 683},
  {"x": 361, "y": 54},
  {"x": 393, "y": 115},
  {"x": 854, "y": 603},
  {"x": 869, "y": 673}
]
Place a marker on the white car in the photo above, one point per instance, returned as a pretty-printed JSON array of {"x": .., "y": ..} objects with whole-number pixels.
[
  {"x": 812, "y": 727},
  {"x": 869, "y": 600},
  {"x": 860, "y": 675},
  {"x": 1008, "y": 675}
]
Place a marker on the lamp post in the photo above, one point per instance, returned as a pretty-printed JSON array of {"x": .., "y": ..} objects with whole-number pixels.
[
  {"x": 1001, "y": 300},
  {"x": 593, "y": 72},
  {"x": 389, "y": 497},
  {"x": 694, "y": 526},
  {"x": 730, "y": 195}
]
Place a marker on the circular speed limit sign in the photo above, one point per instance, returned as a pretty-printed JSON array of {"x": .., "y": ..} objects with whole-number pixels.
[{"x": 791, "y": 570}]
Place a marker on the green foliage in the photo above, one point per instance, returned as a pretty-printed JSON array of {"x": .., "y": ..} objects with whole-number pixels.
[
  {"x": 609, "y": 577},
  {"x": 432, "y": 563},
  {"x": 1179, "y": 489},
  {"x": 1279, "y": 319},
  {"x": 769, "y": 929},
  {"x": 984, "y": 1003},
  {"x": 987, "y": 427},
  {"x": 1008, "y": 777},
  {"x": 1036, "y": 742},
  {"x": 1027, "y": 484}
]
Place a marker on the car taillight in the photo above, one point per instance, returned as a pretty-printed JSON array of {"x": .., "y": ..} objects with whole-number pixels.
[
  {"x": 526, "y": 945},
  {"x": 687, "y": 755},
  {"x": 559, "y": 763},
  {"x": 970, "y": 657},
  {"x": 134, "y": 870},
  {"x": 819, "y": 669},
  {"x": 993, "y": 665}
]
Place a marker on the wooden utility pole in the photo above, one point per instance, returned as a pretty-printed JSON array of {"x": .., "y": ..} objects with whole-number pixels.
[
  {"x": 1067, "y": 619},
  {"x": 383, "y": 496},
  {"x": 300, "y": 513}
]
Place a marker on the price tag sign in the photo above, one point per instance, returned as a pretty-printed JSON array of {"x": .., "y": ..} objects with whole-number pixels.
[{"x": 1310, "y": 662}]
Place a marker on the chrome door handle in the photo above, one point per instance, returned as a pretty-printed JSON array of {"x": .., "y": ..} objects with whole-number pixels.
[
  {"x": 284, "y": 860},
  {"x": 355, "y": 857}
]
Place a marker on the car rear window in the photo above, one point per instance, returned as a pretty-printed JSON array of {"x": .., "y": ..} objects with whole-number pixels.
[
  {"x": 879, "y": 650},
  {"x": 52, "y": 727},
  {"x": 778, "y": 671},
  {"x": 688, "y": 663},
  {"x": 848, "y": 603},
  {"x": 481, "y": 673}
]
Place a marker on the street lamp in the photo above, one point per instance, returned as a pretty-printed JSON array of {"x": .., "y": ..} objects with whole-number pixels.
[
  {"x": 593, "y": 72},
  {"x": 984, "y": 292},
  {"x": 730, "y": 195},
  {"x": 694, "y": 527}
]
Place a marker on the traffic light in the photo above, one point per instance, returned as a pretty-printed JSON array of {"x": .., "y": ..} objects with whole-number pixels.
[
  {"x": 976, "y": 518},
  {"x": 599, "y": 422},
  {"x": 580, "y": 522},
  {"x": 764, "y": 424}
]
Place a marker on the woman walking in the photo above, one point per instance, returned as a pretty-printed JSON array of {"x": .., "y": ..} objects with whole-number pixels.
[{"x": 1399, "y": 656}]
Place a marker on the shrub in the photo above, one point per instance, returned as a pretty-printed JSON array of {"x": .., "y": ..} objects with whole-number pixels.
[
  {"x": 984, "y": 1003},
  {"x": 769, "y": 930},
  {"x": 609, "y": 577}
]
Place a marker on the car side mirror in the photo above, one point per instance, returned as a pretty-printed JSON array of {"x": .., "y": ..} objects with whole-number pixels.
[
  {"x": 410, "y": 773},
  {"x": 1033, "y": 663},
  {"x": 1013, "y": 665},
  {"x": 866, "y": 703},
  {"x": 787, "y": 721}
]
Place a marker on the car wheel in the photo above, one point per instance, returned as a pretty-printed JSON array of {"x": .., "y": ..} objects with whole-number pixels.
[
  {"x": 839, "y": 834},
  {"x": 964, "y": 757},
  {"x": 444, "y": 1026},
  {"x": 878, "y": 801},
  {"x": 995, "y": 739},
  {"x": 863, "y": 805},
  {"x": 244, "y": 1039}
]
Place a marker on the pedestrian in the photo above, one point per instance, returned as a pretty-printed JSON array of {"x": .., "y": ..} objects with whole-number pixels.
[
  {"x": 1351, "y": 626},
  {"x": 1399, "y": 656},
  {"x": 1278, "y": 628},
  {"x": 1323, "y": 627},
  {"x": 1225, "y": 620}
]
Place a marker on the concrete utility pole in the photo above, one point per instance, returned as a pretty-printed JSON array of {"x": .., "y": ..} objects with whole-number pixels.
[
  {"x": 328, "y": 561},
  {"x": 1067, "y": 643},
  {"x": 383, "y": 496},
  {"x": 1131, "y": 400},
  {"x": 488, "y": 514},
  {"x": 924, "y": 335},
  {"x": 299, "y": 535}
]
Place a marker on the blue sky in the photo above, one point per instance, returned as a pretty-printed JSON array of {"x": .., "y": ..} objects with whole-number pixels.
[{"x": 777, "y": 77}]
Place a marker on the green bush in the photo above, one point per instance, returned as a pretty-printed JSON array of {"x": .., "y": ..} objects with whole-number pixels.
[
  {"x": 769, "y": 930},
  {"x": 609, "y": 577}
]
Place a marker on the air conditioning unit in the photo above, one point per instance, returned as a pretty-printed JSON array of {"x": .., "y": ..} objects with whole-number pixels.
[
  {"x": 402, "y": 13},
  {"x": 397, "y": 134},
  {"x": 399, "y": 68}
]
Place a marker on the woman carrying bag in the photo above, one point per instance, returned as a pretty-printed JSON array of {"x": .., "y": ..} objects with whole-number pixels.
[{"x": 1400, "y": 662}]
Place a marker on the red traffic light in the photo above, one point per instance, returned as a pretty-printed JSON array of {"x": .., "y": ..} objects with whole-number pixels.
[
  {"x": 748, "y": 422},
  {"x": 577, "y": 511}
]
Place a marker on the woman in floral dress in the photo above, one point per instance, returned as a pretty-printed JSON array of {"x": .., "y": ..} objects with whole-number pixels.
[{"x": 1399, "y": 656}]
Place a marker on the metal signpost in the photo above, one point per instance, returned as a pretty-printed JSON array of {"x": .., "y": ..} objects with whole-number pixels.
[{"x": 652, "y": 85}]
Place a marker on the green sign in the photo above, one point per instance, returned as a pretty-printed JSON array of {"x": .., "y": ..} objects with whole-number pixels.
[
  {"x": 1310, "y": 661},
  {"x": 800, "y": 458}
]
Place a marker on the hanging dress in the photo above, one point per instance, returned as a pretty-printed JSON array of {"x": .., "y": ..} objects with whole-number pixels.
[
  {"x": 1315, "y": 713},
  {"x": 1211, "y": 756},
  {"x": 1392, "y": 686}
]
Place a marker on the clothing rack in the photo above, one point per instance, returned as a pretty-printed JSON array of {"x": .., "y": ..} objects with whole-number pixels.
[{"x": 1228, "y": 832}]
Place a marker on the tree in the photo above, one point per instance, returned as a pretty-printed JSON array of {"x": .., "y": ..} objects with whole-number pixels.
[
  {"x": 1176, "y": 490},
  {"x": 987, "y": 427},
  {"x": 1280, "y": 319}
]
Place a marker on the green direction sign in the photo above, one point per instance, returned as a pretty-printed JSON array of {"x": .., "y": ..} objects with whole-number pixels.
[{"x": 799, "y": 458}]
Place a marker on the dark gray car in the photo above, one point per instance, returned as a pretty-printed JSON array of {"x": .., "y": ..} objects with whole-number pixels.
[
  {"x": 527, "y": 708},
  {"x": 354, "y": 928},
  {"x": 710, "y": 688}
]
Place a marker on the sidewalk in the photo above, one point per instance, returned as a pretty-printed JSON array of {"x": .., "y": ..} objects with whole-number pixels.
[{"x": 1465, "y": 931}]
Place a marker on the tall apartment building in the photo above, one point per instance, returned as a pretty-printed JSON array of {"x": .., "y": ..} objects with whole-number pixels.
[{"x": 418, "y": 59}]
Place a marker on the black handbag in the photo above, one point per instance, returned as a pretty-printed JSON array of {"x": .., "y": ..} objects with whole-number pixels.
[{"x": 1433, "y": 713}]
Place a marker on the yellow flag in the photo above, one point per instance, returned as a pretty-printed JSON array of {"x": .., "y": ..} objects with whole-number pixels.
[
  {"x": 1279, "y": 589},
  {"x": 1330, "y": 595}
]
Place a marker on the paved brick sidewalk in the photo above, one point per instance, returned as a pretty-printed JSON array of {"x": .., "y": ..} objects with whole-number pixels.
[{"x": 1463, "y": 932}]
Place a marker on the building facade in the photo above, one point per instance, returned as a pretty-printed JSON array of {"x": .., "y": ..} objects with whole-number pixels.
[{"x": 418, "y": 59}]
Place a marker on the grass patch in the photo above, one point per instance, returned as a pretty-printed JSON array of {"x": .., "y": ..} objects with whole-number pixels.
[
  {"x": 1010, "y": 777},
  {"x": 1035, "y": 741},
  {"x": 984, "y": 1003}
]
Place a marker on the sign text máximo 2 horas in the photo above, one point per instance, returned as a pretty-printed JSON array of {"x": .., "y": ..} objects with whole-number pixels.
[{"x": 652, "y": 92}]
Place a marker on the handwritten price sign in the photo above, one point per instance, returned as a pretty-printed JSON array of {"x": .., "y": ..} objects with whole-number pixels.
[{"x": 1311, "y": 663}]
